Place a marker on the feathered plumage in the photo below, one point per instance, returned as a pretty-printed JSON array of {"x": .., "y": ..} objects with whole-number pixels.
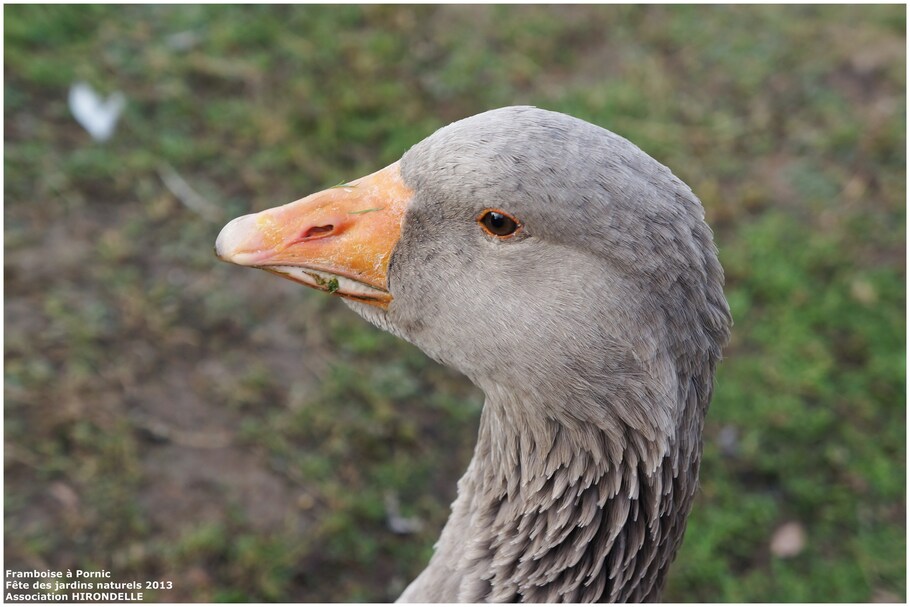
[{"x": 593, "y": 327}]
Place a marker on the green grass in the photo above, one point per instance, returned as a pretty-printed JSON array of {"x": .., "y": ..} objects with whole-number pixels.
[{"x": 171, "y": 417}]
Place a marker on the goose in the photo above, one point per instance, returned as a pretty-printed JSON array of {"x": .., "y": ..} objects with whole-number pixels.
[{"x": 573, "y": 279}]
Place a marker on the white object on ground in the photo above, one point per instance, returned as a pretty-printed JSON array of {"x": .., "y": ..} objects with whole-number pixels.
[{"x": 96, "y": 115}]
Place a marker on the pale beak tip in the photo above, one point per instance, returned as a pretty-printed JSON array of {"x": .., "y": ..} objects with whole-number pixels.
[{"x": 239, "y": 241}]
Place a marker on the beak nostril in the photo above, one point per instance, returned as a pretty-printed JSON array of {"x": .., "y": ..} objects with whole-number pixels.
[{"x": 316, "y": 231}]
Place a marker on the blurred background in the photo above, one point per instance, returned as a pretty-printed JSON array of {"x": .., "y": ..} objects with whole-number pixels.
[{"x": 168, "y": 416}]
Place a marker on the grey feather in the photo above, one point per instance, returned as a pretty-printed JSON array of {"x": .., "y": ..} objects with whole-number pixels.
[{"x": 594, "y": 333}]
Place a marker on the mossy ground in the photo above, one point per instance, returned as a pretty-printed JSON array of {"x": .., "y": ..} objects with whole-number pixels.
[{"x": 168, "y": 416}]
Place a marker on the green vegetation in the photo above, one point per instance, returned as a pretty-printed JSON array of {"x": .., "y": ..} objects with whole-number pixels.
[{"x": 172, "y": 417}]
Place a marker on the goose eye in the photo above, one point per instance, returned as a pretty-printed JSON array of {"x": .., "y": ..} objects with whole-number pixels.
[{"x": 498, "y": 223}]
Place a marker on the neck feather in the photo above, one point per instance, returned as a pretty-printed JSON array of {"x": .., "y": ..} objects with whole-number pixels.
[{"x": 565, "y": 510}]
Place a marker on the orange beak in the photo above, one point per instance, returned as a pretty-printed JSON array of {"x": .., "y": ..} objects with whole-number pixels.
[{"x": 339, "y": 240}]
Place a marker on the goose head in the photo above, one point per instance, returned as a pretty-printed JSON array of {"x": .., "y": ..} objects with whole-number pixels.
[{"x": 571, "y": 277}]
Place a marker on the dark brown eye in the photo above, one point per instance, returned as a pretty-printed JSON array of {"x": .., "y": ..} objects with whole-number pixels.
[{"x": 498, "y": 223}]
